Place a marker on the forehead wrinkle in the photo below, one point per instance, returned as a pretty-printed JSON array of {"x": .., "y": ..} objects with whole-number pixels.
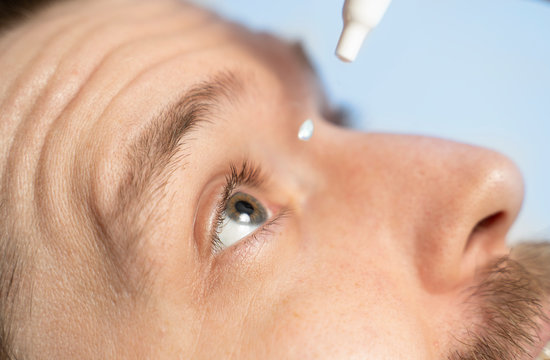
[
  {"x": 24, "y": 89},
  {"x": 79, "y": 50},
  {"x": 28, "y": 133},
  {"x": 25, "y": 79},
  {"x": 114, "y": 58},
  {"x": 59, "y": 35}
]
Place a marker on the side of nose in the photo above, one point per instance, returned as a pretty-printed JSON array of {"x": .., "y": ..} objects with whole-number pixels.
[{"x": 445, "y": 206}]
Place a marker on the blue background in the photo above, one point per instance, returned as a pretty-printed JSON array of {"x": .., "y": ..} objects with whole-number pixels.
[{"x": 476, "y": 71}]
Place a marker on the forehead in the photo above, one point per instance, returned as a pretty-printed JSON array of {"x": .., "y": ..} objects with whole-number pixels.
[
  {"x": 93, "y": 33},
  {"x": 77, "y": 58}
]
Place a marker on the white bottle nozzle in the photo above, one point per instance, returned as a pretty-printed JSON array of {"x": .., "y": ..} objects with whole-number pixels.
[
  {"x": 360, "y": 16},
  {"x": 351, "y": 40}
]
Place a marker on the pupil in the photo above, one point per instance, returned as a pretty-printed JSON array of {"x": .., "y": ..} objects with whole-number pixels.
[{"x": 244, "y": 207}]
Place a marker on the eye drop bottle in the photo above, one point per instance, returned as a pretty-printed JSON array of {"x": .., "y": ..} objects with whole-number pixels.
[{"x": 360, "y": 17}]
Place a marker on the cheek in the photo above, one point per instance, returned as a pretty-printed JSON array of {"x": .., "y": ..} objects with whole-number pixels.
[
  {"x": 332, "y": 310},
  {"x": 332, "y": 324}
]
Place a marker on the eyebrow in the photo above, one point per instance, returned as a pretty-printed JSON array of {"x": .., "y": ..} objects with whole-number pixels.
[
  {"x": 148, "y": 164},
  {"x": 158, "y": 145}
]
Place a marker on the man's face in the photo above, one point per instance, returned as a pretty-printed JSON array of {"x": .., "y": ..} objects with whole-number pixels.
[{"x": 152, "y": 169}]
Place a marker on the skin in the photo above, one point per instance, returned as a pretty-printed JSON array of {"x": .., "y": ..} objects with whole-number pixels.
[{"x": 372, "y": 259}]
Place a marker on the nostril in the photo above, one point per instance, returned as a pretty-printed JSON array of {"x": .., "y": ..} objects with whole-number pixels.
[
  {"x": 488, "y": 221},
  {"x": 484, "y": 225}
]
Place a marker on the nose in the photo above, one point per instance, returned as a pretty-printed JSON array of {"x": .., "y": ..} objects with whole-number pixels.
[{"x": 445, "y": 207}]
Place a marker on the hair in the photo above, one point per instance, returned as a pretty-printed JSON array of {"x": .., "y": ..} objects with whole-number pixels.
[
  {"x": 14, "y": 12},
  {"x": 509, "y": 301}
]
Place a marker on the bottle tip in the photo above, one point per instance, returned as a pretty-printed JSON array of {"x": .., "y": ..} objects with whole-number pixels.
[{"x": 351, "y": 40}]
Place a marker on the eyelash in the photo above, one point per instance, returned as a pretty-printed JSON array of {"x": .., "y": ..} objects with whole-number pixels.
[{"x": 245, "y": 175}]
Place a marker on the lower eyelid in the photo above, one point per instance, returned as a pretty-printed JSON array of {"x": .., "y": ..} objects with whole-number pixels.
[{"x": 249, "y": 247}]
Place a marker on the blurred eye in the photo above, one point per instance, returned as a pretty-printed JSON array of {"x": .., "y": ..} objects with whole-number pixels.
[{"x": 243, "y": 214}]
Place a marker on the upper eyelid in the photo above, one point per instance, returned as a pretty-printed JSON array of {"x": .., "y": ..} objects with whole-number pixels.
[{"x": 248, "y": 174}]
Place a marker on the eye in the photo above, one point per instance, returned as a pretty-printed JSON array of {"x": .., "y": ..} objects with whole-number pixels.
[{"x": 243, "y": 214}]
